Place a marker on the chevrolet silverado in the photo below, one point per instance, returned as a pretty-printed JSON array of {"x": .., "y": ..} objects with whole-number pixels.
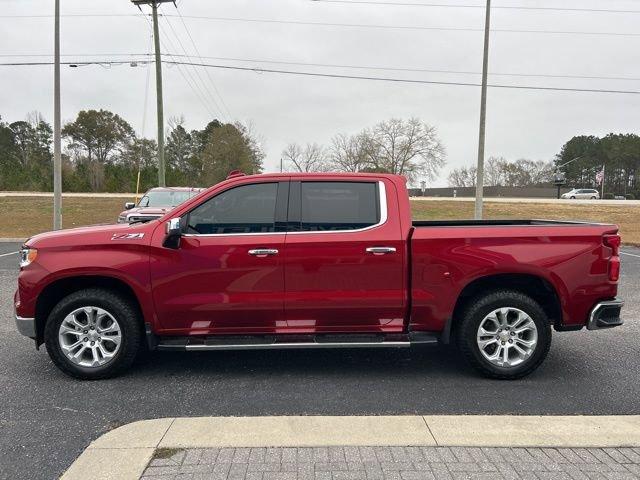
[{"x": 314, "y": 261}]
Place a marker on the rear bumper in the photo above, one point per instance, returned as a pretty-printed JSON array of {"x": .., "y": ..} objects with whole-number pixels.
[
  {"x": 26, "y": 326},
  {"x": 605, "y": 315}
]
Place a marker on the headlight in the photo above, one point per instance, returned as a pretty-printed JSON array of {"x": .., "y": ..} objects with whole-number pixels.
[
  {"x": 122, "y": 219},
  {"x": 27, "y": 255}
]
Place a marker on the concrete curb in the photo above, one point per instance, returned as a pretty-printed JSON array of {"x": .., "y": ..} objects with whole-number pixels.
[
  {"x": 70, "y": 194},
  {"x": 124, "y": 453}
]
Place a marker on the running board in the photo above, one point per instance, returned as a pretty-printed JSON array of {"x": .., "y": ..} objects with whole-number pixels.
[{"x": 286, "y": 342}]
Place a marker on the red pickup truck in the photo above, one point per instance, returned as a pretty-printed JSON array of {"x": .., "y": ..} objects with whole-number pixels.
[{"x": 314, "y": 261}]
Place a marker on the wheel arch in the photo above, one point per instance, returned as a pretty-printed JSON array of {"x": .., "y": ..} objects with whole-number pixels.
[
  {"x": 534, "y": 286},
  {"x": 58, "y": 289}
]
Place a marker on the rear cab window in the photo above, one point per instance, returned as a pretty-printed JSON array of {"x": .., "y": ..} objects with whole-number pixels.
[{"x": 325, "y": 206}]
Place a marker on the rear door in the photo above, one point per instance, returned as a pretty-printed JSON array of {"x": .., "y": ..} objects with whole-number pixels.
[{"x": 344, "y": 257}]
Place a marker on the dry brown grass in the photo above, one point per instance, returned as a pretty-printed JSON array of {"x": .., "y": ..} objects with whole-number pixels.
[
  {"x": 627, "y": 217},
  {"x": 25, "y": 216}
]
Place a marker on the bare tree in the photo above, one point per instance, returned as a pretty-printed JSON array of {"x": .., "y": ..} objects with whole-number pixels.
[
  {"x": 499, "y": 172},
  {"x": 410, "y": 148},
  {"x": 404, "y": 147},
  {"x": 494, "y": 171},
  {"x": 311, "y": 158},
  {"x": 540, "y": 172},
  {"x": 463, "y": 177},
  {"x": 350, "y": 153}
]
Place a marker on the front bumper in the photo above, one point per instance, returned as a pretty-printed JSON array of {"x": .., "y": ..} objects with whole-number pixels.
[
  {"x": 605, "y": 315},
  {"x": 26, "y": 326}
]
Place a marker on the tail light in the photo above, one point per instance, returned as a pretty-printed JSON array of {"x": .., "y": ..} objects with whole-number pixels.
[
  {"x": 613, "y": 242},
  {"x": 614, "y": 269}
]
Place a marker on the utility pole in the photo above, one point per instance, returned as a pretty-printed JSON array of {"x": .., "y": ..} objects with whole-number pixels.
[
  {"x": 57, "y": 142},
  {"x": 160, "y": 107},
  {"x": 483, "y": 115}
]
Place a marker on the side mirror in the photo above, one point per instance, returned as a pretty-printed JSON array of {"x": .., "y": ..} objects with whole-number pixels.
[
  {"x": 174, "y": 232},
  {"x": 129, "y": 205}
]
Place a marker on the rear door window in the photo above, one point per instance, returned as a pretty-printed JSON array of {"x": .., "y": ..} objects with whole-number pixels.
[{"x": 335, "y": 206}]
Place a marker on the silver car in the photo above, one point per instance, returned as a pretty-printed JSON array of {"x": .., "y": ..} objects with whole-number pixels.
[{"x": 582, "y": 193}]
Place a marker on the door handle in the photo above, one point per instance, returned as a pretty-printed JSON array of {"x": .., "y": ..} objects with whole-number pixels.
[
  {"x": 263, "y": 252},
  {"x": 381, "y": 250}
]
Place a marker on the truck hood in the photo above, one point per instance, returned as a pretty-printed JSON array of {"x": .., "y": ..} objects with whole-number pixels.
[{"x": 94, "y": 235}]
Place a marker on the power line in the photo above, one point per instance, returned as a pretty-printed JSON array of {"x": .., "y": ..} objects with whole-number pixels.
[
  {"x": 73, "y": 64},
  {"x": 417, "y": 70},
  {"x": 25, "y": 55},
  {"x": 80, "y": 15},
  {"x": 213, "y": 84},
  {"x": 184, "y": 76},
  {"x": 357, "y": 67},
  {"x": 202, "y": 86},
  {"x": 353, "y": 25},
  {"x": 402, "y": 27},
  {"x": 405, "y": 80},
  {"x": 505, "y": 7}
]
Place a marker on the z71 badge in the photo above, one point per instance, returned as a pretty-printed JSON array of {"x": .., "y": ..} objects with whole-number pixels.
[{"x": 127, "y": 236}]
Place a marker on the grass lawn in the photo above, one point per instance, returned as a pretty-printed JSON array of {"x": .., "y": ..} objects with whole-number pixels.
[
  {"x": 628, "y": 218},
  {"x": 25, "y": 216}
]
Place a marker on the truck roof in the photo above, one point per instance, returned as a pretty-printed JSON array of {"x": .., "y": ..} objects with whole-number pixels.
[{"x": 323, "y": 175}]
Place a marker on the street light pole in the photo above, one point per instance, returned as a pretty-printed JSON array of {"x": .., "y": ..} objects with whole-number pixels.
[
  {"x": 57, "y": 142},
  {"x": 483, "y": 115}
]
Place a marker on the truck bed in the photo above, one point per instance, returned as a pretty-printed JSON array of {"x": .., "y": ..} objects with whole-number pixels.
[
  {"x": 494, "y": 223},
  {"x": 447, "y": 259}
]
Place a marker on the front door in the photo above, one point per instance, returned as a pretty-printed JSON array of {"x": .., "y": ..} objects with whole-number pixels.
[
  {"x": 344, "y": 259},
  {"x": 227, "y": 276}
]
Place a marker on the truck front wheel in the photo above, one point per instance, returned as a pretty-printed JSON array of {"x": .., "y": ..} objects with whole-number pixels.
[
  {"x": 93, "y": 334},
  {"x": 504, "y": 334}
]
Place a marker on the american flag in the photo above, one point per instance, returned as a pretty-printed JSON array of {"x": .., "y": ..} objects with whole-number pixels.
[{"x": 600, "y": 176}]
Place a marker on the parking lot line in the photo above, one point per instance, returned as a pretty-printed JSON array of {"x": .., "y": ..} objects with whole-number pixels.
[
  {"x": 7, "y": 254},
  {"x": 630, "y": 254}
]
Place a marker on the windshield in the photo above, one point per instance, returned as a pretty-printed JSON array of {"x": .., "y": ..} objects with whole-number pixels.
[{"x": 165, "y": 199}]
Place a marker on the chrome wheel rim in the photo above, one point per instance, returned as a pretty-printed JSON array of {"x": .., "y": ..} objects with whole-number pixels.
[
  {"x": 507, "y": 337},
  {"x": 90, "y": 336}
]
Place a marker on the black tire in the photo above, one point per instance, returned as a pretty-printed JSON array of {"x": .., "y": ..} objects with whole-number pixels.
[
  {"x": 573, "y": 198},
  {"x": 120, "y": 308},
  {"x": 475, "y": 312},
  {"x": 593, "y": 198}
]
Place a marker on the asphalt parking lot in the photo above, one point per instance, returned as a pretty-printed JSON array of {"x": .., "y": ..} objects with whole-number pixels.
[{"x": 47, "y": 419}]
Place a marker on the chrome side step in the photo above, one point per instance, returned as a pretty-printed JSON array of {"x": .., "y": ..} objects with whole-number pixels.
[
  {"x": 294, "y": 345},
  {"x": 288, "y": 342}
]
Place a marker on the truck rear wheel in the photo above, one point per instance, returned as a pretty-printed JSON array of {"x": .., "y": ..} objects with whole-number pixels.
[
  {"x": 504, "y": 334},
  {"x": 93, "y": 334}
]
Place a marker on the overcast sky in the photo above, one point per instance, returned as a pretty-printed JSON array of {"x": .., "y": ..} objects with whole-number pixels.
[{"x": 288, "y": 108}]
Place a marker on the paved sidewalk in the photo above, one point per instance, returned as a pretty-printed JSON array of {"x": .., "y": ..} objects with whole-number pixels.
[
  {"x": 395, "y": 463},
  {"x": 370, "y": 448}
]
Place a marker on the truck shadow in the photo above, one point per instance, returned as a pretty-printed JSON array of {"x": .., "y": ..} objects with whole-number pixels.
[{"x": 441, "y": 361}]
